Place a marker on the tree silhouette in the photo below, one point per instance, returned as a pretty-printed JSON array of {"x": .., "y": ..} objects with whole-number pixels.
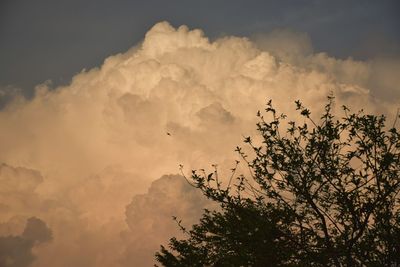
[{"x": 319, "y": 193}]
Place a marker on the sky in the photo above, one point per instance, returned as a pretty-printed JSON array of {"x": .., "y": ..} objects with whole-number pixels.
[
  {"x": 53, "y": 40},
  {"x": 102, "y": 101}
]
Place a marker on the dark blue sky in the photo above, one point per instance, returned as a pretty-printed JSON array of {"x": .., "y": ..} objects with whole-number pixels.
[{"x": 54, "y": 39}]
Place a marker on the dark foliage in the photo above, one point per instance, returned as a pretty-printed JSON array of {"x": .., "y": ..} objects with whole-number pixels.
[{"x": 318, "y": 194}]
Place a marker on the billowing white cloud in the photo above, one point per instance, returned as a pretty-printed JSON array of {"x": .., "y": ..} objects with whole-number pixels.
[{"x": 76, "y": 155}]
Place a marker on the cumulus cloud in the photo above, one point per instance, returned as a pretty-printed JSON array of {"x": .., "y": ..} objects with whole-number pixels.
[
  {"x": 8, "y": 94},
  {"x": 76, "y": 155},
  {"x": 18, "y": 191},
  {"x": 149, "y": 216},
  {"x": 36, "y": 231},
  {"x": 16, "y": 251},
  {"x": 286, "y": 44}
]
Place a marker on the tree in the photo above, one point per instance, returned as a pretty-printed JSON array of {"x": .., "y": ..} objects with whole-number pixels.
[{"x": 319, "y": 193}]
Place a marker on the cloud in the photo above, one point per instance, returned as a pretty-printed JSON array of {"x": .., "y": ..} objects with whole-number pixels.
[
  {"x": 76, "y": 155},
  {"x": 152, "y": 213},
  {"x": 18, "y": 190},
  {"x": 16, "y": 251},
  {"x": 8, "y": 94},
  {"x": 285, "y": 44},
  {"x": 36, "y": 231}
]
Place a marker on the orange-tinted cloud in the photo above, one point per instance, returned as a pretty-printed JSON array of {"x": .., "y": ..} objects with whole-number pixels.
[{"x": 79, "y": 156}]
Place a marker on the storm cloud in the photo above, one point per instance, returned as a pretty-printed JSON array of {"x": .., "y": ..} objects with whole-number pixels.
[
  {"x": 87, "y": 157},
  {"x": 16, "y": 250}
]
